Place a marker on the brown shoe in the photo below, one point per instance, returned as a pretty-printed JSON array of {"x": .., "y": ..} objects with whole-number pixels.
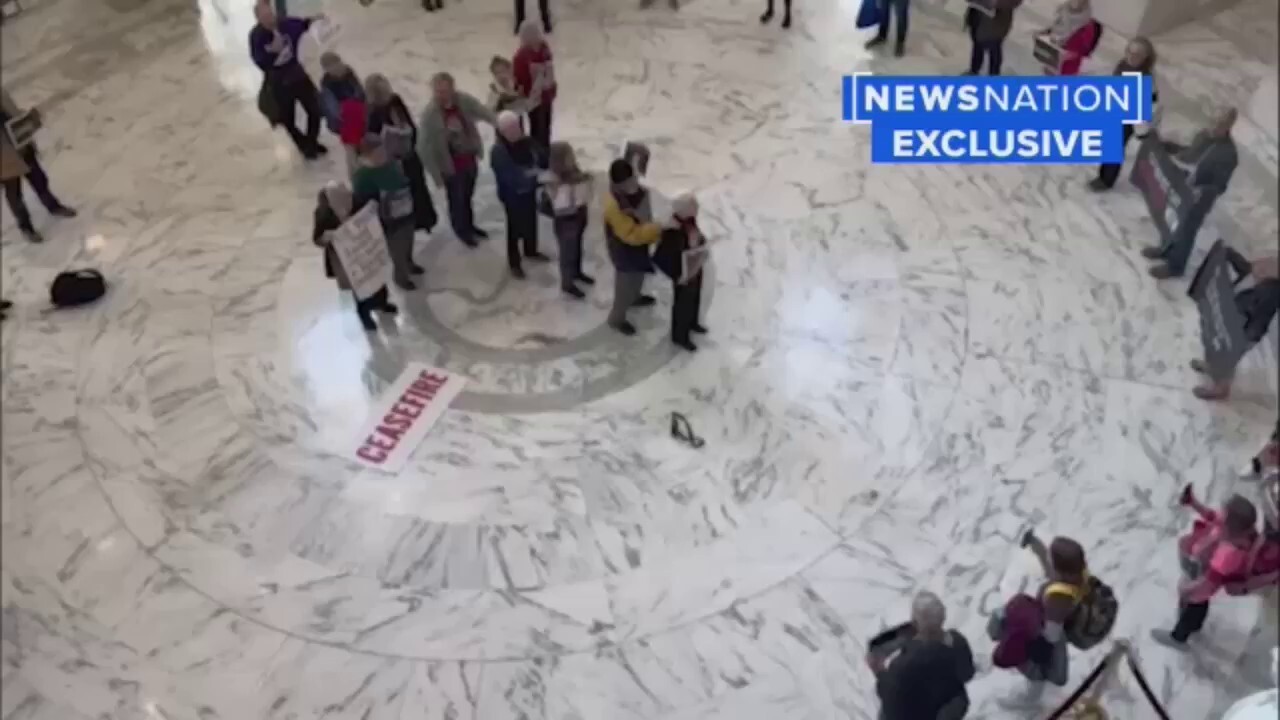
[
  {"x": 1161, "y": 272},
  {"x": 1212, "y": 392},
  {"x": 1199, "y": 366},
  {"x": 1154, "y": 252}
]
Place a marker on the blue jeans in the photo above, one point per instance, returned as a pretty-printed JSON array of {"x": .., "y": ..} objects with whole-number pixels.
[{"x": 899, "y": 8}]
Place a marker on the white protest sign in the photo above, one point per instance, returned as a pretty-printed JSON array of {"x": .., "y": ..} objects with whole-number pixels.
[
  {"x": 326, "y": 31},
  {"x": 362, "y": 249},
  {"x": 693, "y": 260},
  {"x": 401, "y": 417}
]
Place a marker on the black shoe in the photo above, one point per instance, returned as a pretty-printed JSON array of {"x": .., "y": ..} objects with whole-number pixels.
[
  {"x": 32, "y": 235},
  {"x": 5, "y": 305},
  {"x": 645, "y": 301},
  {"x": 766, "y": 17},
  {"x": 625, "y": 328},
  {"x": 586, "y": 279},
  {"x": 537, "y": 257},
  {"x": 417, "y": 269},
  {"x": 62, "y": 211},
  {"x": 406, "y": 285},
  {"x": 469, "y": 242},
  {"x": 685, "y": 344},
  {"x": 786, "y": 21},
  {"x": 699, "y": 328},
  {"x": 368, "y": 323},
  {"x": 1153, "y": 252},
  {"x": 428, "y": 6},
  {"x": 573, "y": 291},
  {"x": 480, "y": 233},
  {"x": 389, "y": 309},
  {"x": 899, "y": 50},
  {"x": 874, "y": 42},
  {"x": 517, "y": 273},
  {"x": 546, "y": 28},
  {"x": 310, "y": 154},
  {"x": 1098, "y": 185}
]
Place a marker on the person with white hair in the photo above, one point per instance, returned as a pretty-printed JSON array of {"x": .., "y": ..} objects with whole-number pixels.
[
  {"x": 536, "y": 80},
  {"x": 921, "y": 667},
  {"x": 569, "y": 191},
  {"x": 517, "y": 162},
  {"x": 680, "y": 255}
]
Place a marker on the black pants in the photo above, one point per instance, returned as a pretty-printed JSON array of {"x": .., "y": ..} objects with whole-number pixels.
[
  {"x": 543, "y": 10},
  {"x": 899, "y": 8},
  {"x": 1108, "y": 173},
  {"x": 424, "y": 210},
  {"x": 522, "y": 228},
  {"x": 990, "y": 50},
  {"x": 1190, "y": 620},
  {"x": 292, "y": 89},
  {"x": 569, "y": 230},
  {"x": 460, "y": 187},
  {"x": 786, "y": 8},
  {"x": 380, "y": 300},
  {"x": 540, "y": 125},
  {"x": 685, "y": 303},
  {"x": 38, "y": 181}
]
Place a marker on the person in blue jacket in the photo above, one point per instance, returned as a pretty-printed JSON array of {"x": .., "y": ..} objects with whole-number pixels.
[
  {"x": 517, "y": 162},
  {"x": 273, "y": 45}
]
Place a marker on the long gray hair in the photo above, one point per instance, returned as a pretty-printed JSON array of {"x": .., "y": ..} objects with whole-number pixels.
[
  {"x": 378, "y": 88},
  {"x": 562, "y": 161}
]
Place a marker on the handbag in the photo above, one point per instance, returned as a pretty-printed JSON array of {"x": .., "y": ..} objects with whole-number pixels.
[{"x": 868, "y": 14}]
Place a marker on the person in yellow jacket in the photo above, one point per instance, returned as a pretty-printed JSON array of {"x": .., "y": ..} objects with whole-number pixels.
[{"x": 630, "y": 233}]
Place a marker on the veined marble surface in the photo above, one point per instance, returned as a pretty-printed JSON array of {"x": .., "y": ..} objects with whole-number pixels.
[{"x": 907, "y": 366}]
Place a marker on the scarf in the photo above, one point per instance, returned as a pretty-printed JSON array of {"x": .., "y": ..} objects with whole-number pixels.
[{"x": 1068, "y": 21}]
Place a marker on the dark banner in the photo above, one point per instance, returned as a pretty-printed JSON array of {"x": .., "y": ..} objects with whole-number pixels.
[
  {"x": 1177, "y": 210},
  {"x": 1221, "y": 323}
]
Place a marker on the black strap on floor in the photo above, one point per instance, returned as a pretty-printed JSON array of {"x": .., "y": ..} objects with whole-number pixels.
[
  {"x": 1146, "y": 688},
  {"x": 1080, "y": 691},
  {"x": 681, "y": 430}
]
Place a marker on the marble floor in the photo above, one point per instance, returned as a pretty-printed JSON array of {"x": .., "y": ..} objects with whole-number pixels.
[{"x": 907, "y": 365}]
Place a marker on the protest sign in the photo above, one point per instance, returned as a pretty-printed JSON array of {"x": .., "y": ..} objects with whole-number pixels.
[
  {"x": 362, "y": 249},
  {"x": 1221, "y": 322}
]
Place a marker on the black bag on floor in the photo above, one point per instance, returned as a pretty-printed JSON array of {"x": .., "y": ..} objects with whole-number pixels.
[{"x": 76, "y": 287}]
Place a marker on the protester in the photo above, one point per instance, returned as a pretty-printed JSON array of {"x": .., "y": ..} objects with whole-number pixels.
[
  {"x": 536, "y": 81},
  {"x": 686, "y": 282},
  {"x": 502, "y": 89},
  {"x": 273, "y": 44},
  {"x": 1139, "y": 57},
  {"x": 1215, "y": 553},
  {"x": 1212, "y": 159},
  {"x": 629, "y": 231},
  {"x": 921, "y": 668},
  {"x": 432, "y": 5},
  {"x": 569, "y": 190},
  {"x": 390, "y": 119},
  {"x": 1267, "y": 458},
  {"x": 333, "y": 207},
  {"x": 543, "y": 9},
  {"x": 786, "y": 14},
  {"x": 517, "y": 162},
  {"x": 24, "y": 162},
  {"x": 5, "y": 305},
  {"x": 345, "y": 110},
  {"x": 450, "y": 147},
  {"x": 1258, "y": 305},
  {"x": 381, "y": 180},
  {"x": 987, "y": 33},
  {"x": 1074, "y": 31},
  {"x": 900, "y": 9}
]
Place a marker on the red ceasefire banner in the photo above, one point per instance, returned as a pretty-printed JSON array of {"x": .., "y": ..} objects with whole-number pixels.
[{"x": 404, "y": 414}]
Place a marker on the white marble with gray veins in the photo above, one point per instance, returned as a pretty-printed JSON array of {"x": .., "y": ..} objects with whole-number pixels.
[{"x": 907, "y": 366}]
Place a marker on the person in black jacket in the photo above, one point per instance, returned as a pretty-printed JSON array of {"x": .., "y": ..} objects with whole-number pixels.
[
  {"x": 389, "y": 118},
  {"x": 1258, "y": 305},
  {"x": 333, "y": 207},
  {"x": 987, "y": 33},
  {"x": 1139, "y": 57},
  {"x": 517, "y": 162},
  {"x": 679, "y": 255},
  {"x": 921, "y": 668}
]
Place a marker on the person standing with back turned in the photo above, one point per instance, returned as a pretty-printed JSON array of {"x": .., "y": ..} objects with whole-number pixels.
[
  {"x": 630, "y": 232},
  {"x": 273, "y": 45},
  {"x": 536, "y": 81}
]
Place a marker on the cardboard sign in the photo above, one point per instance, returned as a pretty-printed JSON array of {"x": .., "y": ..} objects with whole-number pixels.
[
  {"x": 1221, "y": 322},
  {"x": 1047, "y": 53},
  {"x": 404, "y": 414},
  {"x": 21, "y": 130},
  {"x": 1164, "y": 187},
  {"x": 362, "y": 249}
]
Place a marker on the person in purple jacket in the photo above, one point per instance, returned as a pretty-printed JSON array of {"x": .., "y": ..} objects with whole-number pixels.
[{"x": 273, "y": 44}]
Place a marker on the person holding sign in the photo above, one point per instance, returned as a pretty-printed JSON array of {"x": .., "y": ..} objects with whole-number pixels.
[
  {"x": 1258, "y": 307},
  {"x": 273, "y": 44},
  {"x": 569, "y": 191},
  {"x": 345, "y": 109},
  {"x": 1073, "y": 36},
  {"x": 1139, "y": 57},
  {"x": 989, "y": 22},
  {"x": 389, "y": 119},
  {"x": 629, "y": 230},
  {"x": 333, "y": 207},
  {"x": 680, "y": 255},
  {"x": 536, "y": 81},
  {"x": 382, "y": 181},
  {"x": 19, "y": 160},
  {"x": 1210, "y": 160}
]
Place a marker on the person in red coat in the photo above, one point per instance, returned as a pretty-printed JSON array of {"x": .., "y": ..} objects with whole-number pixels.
[
  {"x": 1076, "y": 32},
  {"x": 536, "y": 80}
]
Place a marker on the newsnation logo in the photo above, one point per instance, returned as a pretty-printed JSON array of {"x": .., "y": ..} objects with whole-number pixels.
[{"x": 997, "y": 120}]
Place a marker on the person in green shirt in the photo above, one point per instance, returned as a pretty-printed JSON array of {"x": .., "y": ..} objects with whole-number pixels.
[{"x": 378, "y": 179}]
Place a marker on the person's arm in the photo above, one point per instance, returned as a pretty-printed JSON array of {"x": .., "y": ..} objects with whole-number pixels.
[
  {"x": 1077, "y": 46},
  {"x": 522, "y": 70},
  {"x": 1227, "y": 562},
  {"x": 1213, "y": 172},
  {"x": 331, "y": 109},
  {"x": 325, "y": 221},
  {"x": 626, "y": 228},
  {"x": 1037, "y": 548},
  {"x": 508, "y": 175},
  {"x": 434, "y": 157},
  {"x": 964, "y": 658},
  {"x": 476, "y": 109},
  {"x": 258, "y": 50}
]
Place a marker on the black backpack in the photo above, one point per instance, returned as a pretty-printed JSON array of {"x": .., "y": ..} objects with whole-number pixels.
[{"x": 76, "y": 287}]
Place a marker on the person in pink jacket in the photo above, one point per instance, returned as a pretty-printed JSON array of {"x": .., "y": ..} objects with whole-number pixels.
[{"x": 1076, "y": 32}]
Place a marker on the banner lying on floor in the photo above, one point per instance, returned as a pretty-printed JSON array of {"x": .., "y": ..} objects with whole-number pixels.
[{"x": 404, "y": 414}]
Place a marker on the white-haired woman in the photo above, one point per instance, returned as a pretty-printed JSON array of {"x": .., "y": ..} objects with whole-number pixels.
[
  {"x": 333, "y": 207},
  {"x": 921, "y": 667},
  {"x": 680, "y": 255},
  {"x": 389, "y": 119},
  {"x": 536, "y": 80},
  {"x": 569, "y": 191},
  {"x": 517, "y": 163}
]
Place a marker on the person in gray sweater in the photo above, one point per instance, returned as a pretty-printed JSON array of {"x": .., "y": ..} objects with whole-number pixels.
[
  {"x": 451, "y": 149},
  {"x": 1212, "y": 159}
]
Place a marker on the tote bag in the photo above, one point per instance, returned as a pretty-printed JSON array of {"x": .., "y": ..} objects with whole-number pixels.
[{"x": 869, "y": 13}]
